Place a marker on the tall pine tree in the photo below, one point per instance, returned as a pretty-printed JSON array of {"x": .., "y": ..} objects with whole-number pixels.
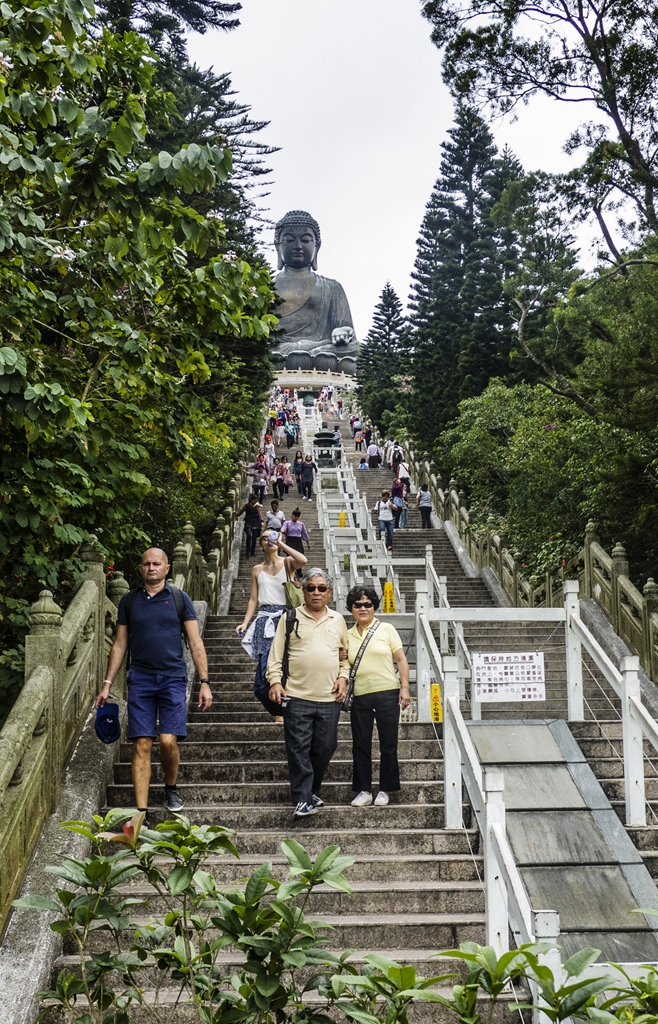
[
  {"x": 384, "y": 359},
  {"x": 461, "y": 328}
]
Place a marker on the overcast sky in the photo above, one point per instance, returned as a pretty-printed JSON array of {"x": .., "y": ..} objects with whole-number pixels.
[{"x": 352, "y": 90}]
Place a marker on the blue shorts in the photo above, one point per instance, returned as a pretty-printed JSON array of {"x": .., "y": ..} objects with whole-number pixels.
[{"x": 152, "y": 697}]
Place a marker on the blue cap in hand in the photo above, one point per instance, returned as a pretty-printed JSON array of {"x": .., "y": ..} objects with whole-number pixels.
[{"x": 108, "y": 723}]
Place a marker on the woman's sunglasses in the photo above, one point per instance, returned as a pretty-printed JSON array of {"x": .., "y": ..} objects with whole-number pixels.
[
  {"x": 312, "y": 586},
  {"x": 363, "y": 604}
]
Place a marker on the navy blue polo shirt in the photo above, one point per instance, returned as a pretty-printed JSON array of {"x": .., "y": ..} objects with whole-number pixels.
[{"x": 156, "y": 644}]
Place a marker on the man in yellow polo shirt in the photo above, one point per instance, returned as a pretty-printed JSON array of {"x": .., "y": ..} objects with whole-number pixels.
[{"x": 315, "y": 688}]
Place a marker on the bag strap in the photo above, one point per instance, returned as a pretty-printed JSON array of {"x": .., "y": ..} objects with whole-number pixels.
[
  {"x": 362, "y": 650},
  {"x": 291, "y": 623}
]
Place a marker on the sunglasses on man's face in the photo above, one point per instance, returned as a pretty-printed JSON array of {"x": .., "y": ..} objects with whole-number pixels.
[
  {"x": 363, "y": 604},
  {"x": 321, "y": 587}
]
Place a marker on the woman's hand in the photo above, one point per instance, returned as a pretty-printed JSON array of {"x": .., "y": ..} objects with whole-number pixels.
[
  {"x": 405, "y": 698},
  {"x": 241, "y": 629}
]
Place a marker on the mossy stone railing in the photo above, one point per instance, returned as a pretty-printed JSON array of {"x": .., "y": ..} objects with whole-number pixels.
[{"x": 66, "y": 655}]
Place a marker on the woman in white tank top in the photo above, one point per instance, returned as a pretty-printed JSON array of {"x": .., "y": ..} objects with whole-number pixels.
[{"x": 268, "y": 596}]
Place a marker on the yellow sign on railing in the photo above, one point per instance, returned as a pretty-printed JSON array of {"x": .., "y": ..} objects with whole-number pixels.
[
  {"x": 436, "y": 703},
  {"x": 342, "y": 518},
  {"x": 388, "y": 603}
]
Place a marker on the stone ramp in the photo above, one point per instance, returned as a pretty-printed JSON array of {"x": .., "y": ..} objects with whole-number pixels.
[{"x": 573, "y": 854}]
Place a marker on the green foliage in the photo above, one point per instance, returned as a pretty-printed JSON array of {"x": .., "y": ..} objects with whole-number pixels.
[
  {"x": 384, "y": 363},
  {"x": 606, "y": 58},
  {"x": 460, "y": 313},
  {"x": 539, "y": 465},
  {"x": 116, "y": 306}
]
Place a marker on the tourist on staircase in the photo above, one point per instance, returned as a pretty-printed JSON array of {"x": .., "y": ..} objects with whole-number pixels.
[
  {"x": 304, "y": 671},
  {"x": 424, "y": 503},
  {"x": 296, "y": 533},
  {"x": 268, "y": 600},
  {"x": 374, "y": 454},
  {"x": 274, "y": 517},
  {"x": 309, "y": 469},
  {"x": 253, "y": 523},
  {"x": 374, "y": 649},
  {"x": 297, "y": 468},
  {"x": 151, "y": 622},
  {"x": 383, "y": 509}
]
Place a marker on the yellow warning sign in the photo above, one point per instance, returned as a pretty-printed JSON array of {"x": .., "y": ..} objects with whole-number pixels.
[
  {"x": 436, "y": 704},
  {"x": 388, "y": 604},
  {"x": 342, "y": 518}
]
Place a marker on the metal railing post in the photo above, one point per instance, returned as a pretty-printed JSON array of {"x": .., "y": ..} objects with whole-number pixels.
[
  {"x": 429, "y": 565},
  {"x": 452, "y": 769},
  {"x": 495, "y": 890},
  {"x": 636, "y": 812},
  {"x": 546, "y": 928},
  {"x": 444, "y": 629},
  {"x": 575, "y": 700},
  {"x": 423, "y": 679}
]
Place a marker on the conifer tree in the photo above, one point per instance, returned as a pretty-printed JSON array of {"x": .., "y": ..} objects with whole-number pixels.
[
  {"x": 461, "y": 328},
  {"x": 384, "y": 358}
]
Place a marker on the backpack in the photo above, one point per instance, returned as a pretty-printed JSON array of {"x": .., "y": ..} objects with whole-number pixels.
[
  {"x": 180, "y": 609},
  {"x": 261, "y": 686}
]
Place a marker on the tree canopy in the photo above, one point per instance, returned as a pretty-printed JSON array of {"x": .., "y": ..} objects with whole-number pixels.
[{"x": 117, "y": 306}]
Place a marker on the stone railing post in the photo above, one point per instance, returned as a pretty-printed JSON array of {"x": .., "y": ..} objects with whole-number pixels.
[
  {"x": 619, "y": 568},
  {"x": 179, "y": 562},
  {"x": 650, "y": 606},
  {"x": 591, "y": 537},
  {"x": 117, "y": 586},
  {"x": 633, "y": 738},
  {"x": 94, "y": 559},
  {"x": 495, "y": 890},
  {"x": 575, "y": 698},
  {"x": 43, "y": 647}
]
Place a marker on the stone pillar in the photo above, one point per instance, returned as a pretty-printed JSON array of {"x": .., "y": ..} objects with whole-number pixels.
[
  {"x": 619, "y": 568},
  {"x": 43, "y": 647},
  {"x": 650, "y": 591},
  {"x": 179, "y": 561},
  {"x": 94, "y": 559},
  {"x": 591, "y": 537},
  {"x": 117, "y": 586}
]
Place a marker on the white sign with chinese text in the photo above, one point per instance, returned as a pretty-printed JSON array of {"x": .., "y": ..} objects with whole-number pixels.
[{"x": 508, "y": 676}]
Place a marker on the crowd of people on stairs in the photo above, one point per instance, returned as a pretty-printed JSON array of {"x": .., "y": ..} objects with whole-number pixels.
[{"x": 309, "y": 666}]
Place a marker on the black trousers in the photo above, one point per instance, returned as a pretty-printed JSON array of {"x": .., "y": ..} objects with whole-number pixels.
[
  {"x": 426, "y": 517},
  {"x": 383, "y": 708},
  {"x": 252, "y": 534},
  {"x": 307, "y": 488},
  {"x": 311, "y": 731}
]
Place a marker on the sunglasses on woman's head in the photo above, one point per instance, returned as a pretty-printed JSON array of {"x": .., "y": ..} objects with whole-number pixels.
[
  {"x": 363, "y": 604},
  {"x": 312, "y": 586}
]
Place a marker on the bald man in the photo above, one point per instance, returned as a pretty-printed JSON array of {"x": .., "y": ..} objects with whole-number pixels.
[{"x": 149, "y": 623}]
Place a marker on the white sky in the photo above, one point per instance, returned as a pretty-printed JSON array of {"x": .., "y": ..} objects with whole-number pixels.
[{"x": 353, "y": 93}]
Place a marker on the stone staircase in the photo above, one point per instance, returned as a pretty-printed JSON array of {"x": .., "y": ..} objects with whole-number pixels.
[{"x": 416, "y": 885}]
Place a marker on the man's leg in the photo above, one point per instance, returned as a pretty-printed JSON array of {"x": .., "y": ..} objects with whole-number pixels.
[
  {"x": 141, "y": 769},
  {"x": 298, "y": 732},
  {"x": 325, "y": 740},
  {"x": 362, "y": 719},
  {"x": 169, "y": 757},
  {"x": 389, "y": 533}
]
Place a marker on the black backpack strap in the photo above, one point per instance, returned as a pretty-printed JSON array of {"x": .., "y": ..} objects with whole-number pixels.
[
  {"x": 179, "y": 601},
  {"x": 291, "y": 623}
]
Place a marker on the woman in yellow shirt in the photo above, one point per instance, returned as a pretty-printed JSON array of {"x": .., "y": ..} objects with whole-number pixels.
[{"x": 378, "y": 696}]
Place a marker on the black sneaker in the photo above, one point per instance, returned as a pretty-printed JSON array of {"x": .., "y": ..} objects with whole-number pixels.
[
  {"x": 173, "y": 799},
  {"x": 317, "y": 801},
  {"x": 303, "y": 810}
]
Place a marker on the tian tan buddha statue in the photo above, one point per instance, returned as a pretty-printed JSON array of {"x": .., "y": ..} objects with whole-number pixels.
[{"x": 314, "y": 312}]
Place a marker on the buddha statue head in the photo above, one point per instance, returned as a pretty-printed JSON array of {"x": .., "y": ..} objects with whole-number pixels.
[{"x": 297, "y": 240}]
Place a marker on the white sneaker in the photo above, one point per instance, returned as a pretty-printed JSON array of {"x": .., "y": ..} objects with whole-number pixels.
[
  {"x": 362, "y": 800},
  {"x": 381, "y": 799}
]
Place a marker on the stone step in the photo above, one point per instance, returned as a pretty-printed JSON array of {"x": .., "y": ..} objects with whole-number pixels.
[
  {"x": 206, "y": 728},
  {"x": 274, "y": 771},
  {"x": 400, "y": 898},
  {"x": 367, "y": 931},
  {"x": 257, "y": 794},
  {"x": 275, "y": 749},
  {"x": 250, "y": 817},
  {"x": 367, "y": 840}
]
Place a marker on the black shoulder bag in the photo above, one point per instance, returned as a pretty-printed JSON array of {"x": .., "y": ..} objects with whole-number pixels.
[{"x": 349, "y": 693}]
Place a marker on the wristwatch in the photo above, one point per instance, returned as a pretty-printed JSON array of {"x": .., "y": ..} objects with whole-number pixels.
[{"x": 205, "y": 680}]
